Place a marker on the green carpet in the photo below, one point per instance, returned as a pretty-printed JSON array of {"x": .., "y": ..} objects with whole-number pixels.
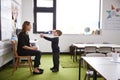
[
  {"x": 67, "y": 62},
  {"x": 46, "y": 63}
]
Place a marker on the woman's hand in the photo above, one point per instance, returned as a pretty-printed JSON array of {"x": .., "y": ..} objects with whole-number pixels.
[
  {"x": 41, "y": 35},
  {"x": 34, "y": 48},
  {"x": 30, "y": 48}
]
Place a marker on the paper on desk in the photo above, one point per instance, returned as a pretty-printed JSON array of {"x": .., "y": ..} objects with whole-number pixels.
[{"x": 117, "y": 61}]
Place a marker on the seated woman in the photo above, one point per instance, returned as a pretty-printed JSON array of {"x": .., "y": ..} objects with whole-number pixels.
[{"x": 24, "y": 47}]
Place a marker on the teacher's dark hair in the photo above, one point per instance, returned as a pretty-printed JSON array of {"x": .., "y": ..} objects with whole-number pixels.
[{"x": 25, "y": 24}]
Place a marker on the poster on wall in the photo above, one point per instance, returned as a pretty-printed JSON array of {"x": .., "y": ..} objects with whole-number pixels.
[
  {"x": 16, "y": 15},
  {"x": 112, "y": 15},
  {"x": 10, "y": 18},
  {"x": 6, "y": 24}
]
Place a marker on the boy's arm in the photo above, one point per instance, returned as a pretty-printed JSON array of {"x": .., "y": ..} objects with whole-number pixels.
[{"x": 49, "y": 39}]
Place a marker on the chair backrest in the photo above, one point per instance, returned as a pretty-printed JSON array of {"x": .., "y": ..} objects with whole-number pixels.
[
  {"x": 105, "y": 49},
  {"x": 14, "y": 46},
  {"x": 72, "y": 49},
  {"x": 90, "y": 49},
  {"x": 106, "y": 43},
  {"x": 95, "y": 55}
]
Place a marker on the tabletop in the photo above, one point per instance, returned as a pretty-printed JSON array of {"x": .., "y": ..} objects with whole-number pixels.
[
  {"x": 97, "y": 45},
  {"x": 103, "y": 65}
]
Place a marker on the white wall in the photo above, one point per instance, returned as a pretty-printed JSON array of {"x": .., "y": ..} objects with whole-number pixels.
[
  {"x": 67, "y": 40},
  {"x": 27, "y": 10}
]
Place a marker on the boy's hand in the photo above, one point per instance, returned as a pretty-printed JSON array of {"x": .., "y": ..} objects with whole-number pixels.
[{"x": 41, "y": 35}]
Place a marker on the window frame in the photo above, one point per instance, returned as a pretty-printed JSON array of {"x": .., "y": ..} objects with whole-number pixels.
[
  {"x": 44, "y": 10},
  {"x": 53, "y": 10},
  {"x": 0, "y": 22}
]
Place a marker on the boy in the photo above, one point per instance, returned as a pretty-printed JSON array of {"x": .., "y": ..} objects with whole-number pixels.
[{"x": 55, "y": 49}]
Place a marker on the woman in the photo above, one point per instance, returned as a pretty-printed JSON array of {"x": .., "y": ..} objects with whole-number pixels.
[{"x": 24, "y": 47}]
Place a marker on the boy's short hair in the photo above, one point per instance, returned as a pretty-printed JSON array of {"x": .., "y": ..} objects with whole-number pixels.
[{"x": 59, "y": 32}]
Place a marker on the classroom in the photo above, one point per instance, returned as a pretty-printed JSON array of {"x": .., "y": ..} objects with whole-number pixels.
[{"x": 59, "y": 40}]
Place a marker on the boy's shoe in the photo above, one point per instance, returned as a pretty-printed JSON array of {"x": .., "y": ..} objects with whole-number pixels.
[
  {"x": 51, "y": 68},
  {"x": 55, "y": 70}
]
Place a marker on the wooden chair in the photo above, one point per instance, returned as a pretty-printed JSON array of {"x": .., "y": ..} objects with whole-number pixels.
[{"x": 17, "y": 58}]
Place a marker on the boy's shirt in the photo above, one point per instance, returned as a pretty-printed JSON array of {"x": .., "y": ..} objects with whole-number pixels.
[{"x": 54, "y": 44}]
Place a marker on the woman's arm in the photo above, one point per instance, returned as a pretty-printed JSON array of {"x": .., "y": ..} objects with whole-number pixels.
[{"x": 30, "y": 48}]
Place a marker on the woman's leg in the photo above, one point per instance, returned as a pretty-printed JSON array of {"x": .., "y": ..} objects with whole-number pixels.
[
  {"x": 37, "y": 55},
  {"x": 37, "y": 59}
]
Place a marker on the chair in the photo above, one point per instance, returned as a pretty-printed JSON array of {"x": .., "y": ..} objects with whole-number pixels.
[
  {"x": 105, "y": 50},
  {"x": 106, "y": 43},
  {"x": 17, "y": 58},
  {"x": 91, "y": 51},
  {"x": 72, "y": 49}
]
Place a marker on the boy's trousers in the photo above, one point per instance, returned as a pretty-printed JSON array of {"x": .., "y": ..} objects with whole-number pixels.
[{"x": 56, "y": 57}]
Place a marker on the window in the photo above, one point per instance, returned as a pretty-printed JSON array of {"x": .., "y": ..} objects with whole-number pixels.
[
  {"x": 70, "y": 16},
  {"x": 74, "y": 16},
  {"x": 44, "y": 3},
  {"x": 44, "y": 15},
  {"x": 42, "y": 18}
]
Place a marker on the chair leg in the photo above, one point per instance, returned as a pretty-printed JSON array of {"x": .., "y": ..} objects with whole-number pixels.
[
  {"x": 82, "y": 63},
  {"x": 70, "y": 55},
  {"x": 73, "y": 57},
  {"x": 15, "y": 65},
  {"x": 18, "y": 62},
  {"x": 85, "y": 77},
  {"x": 88, "y": 78},
  {"x": 30, "y": 65}
]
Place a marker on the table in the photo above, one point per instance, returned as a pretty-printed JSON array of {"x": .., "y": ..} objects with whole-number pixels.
[
  {"x": 104, "y": 66},
  {"x": 97, "y": 45},
  {"x": 82, "y": 46}
]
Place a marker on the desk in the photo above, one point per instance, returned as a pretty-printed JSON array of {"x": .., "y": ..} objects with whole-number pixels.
[
  {"x": 82, "y": 46},
  {"x": 97, "y": 45},
  {"x": 103, "y": 65}
]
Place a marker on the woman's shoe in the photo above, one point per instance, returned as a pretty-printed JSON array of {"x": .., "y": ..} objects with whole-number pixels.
[
  {"x": 40, "y": 69},
  {"x": 41, "y": 72}
]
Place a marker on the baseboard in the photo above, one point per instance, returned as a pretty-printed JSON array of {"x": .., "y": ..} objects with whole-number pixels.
[
  {"x": 51, "y": 52},
  {"x": 65, "y": 53}
]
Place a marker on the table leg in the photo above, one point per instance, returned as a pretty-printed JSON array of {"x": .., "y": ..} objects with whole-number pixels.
[
  {"x": 76, "y": 54},
  {"x": 80, "y": 53},
  {"x": 95, "y": 75},
  {"x": 79, "y": 76}
]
